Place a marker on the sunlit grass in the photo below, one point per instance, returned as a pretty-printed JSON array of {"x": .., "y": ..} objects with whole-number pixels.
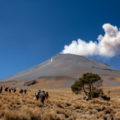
[{"x": 62, "y": 105}]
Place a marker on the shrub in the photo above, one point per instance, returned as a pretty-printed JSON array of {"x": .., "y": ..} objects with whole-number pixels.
[
  {"x": 97, "y": 93},
  {"x": 104, "y": 97}
]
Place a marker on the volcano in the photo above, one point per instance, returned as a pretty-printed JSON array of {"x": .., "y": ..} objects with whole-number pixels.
[{"x": 67, "y": 66}]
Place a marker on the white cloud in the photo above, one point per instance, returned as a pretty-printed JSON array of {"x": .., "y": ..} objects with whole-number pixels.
[{"x": 107, "y": 45}]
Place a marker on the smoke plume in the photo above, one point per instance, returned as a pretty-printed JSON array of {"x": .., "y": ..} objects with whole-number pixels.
[{"x": 106, "y": 45}]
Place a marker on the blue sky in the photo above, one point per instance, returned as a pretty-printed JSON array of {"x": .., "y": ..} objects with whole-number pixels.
[{"x": 31, "y": 31}]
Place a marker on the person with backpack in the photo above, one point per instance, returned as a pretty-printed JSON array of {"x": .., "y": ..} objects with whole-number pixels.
[
  {"x": 37, "y": 94},
  {"x": 42, "y": 97},
  {"x": 21, "y": 91}
]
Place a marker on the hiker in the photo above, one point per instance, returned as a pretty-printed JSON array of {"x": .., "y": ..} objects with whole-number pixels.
[
  {"x": 21, "y": 91},
  {"x": 37, "y": 94},
  {"x": 46, "y": 95},
  {"x": 42, "y": 97},
  {"x": 6, "y": 89},
  {"x": 14, "y": 90},
  {"x": 9, "y": 90},
  {"x": 25, "y": 91},
  {"x": 1, "y": 88}
]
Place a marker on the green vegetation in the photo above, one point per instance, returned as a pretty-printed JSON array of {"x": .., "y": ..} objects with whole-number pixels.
[{"x": 90, "y": 84}]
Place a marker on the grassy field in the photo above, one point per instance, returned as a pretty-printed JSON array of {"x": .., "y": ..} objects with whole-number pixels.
[{"x": 61, "y": 105}]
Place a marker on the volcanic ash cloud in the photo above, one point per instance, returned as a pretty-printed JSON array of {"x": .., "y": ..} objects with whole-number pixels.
[{"x": 106, "y": 45}]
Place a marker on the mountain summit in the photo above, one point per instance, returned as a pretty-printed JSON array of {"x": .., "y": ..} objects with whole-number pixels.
[{"x": 64, "y": 65}]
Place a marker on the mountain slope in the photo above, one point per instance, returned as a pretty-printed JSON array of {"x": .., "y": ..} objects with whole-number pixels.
[{"x": 64, "y": 65}]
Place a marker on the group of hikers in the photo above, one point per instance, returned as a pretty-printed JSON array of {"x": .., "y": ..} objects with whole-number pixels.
[
  {"x": 39, "y": 94},
  {"x": 23, "y": 91},
  {"x": 8, "y": 89},
  {"x": 42, "y": 95}
]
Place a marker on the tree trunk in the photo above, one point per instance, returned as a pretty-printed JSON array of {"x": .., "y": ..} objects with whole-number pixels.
[{"x": 86, "y": 93}]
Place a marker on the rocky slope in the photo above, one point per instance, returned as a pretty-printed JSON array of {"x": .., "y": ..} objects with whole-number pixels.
[{"x": 66, "y": 67}]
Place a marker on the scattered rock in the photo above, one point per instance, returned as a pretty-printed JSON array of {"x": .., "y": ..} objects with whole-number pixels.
[{"x": 29, "y": 83}]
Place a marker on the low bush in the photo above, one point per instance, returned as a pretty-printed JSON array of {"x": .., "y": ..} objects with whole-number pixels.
[
  {"x": 104, "y": 97},
  {"x": 97, "y": 93}
]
